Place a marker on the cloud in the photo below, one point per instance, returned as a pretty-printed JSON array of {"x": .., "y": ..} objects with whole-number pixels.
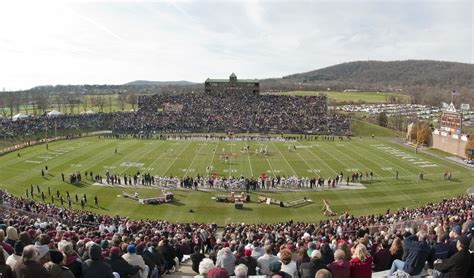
[{"x": 115, "y": 42}]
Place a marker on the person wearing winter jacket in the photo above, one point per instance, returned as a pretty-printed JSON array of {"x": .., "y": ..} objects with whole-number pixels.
[
  {"x": 340, "y": 267},
  {"x": 417, "y": 253},
  {"x": 309, "y": 269},
  {"x": 54, "y": 267},
  {"x": 121, "y": 266},
  {"x": 458, "y": 265},
  {"x": 95, "y": 265},
  {"x": 132, "y": 258},
  {"x": 226, "y": 260}
]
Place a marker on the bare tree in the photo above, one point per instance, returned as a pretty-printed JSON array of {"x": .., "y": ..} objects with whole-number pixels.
[
  {"x": 84, "y": 103},
  {"x": 132, "y": 99},
  {"x": 122, "y": 98},
  {"x": 100, "y": 103},
  {"x": 110, "y": 103}
]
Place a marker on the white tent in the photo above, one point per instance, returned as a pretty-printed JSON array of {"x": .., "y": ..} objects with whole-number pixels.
[
  {"x": 87, "y": 112},
  {"x": 54, "y": 113},
  {"x": 19, "y": 116}
]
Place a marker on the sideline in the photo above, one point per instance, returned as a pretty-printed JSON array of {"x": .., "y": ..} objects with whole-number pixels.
[{"x": 52, "y": 139}]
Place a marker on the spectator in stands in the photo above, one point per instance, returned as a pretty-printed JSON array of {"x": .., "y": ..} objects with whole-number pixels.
[
  {"x": 439, "y": 251},
  {"x": 455, "y": 235},
  {"x": 309, "y": 269},
  {"x": 204, "y": 266},
  {"x": 196, "y": 258},
  {"x": 12, "y": 236},
  {"x": 241, "y": 271},
  {"x": 311, "y": 248},
  {"x": 226, "y": 260},
  {"x": 340, "y": 267},
  {"x": 217, "y": 272},
  {"x": 147, "y": 258},
  {"x": 54, "y": 267},
  {"x": 16, "y": 256},
  {"x": 382, "y": 256},
  {"x": 5, "y": 270},
  {"x": 132, "y": 258},
  {"x": 264, "y": 261},
  {"x": 326, "y": 253},
  {"x": 288, "y": 265},
  {"x": 119, "y": 265},
  {"x": 7, "y": 247},
  {"x": 249, "y": 261},
  {"x": 29, "y": 265},
  {"x": 361, "y": 263},
  {"x": 257, "y": 251},
  {"x": 347, "y": 251},
  {"x": 301, "y": 257},
  {"x": 95, "y": 264},
  {"x": 168, "y": 253},
  {"x": 275, "y": 269},
  {"x": 457, "y": 265},
  {"x": 396, "y": 250},
  {"x": 323, "y": 273},
  {"x": 417, "y": 255},
  {"x": 72, "y": 260}
]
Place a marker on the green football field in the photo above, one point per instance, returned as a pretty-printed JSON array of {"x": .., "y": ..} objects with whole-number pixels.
[{"x": 182, "y": 158}]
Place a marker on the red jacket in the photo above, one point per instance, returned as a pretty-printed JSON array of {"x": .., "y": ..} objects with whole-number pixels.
[{"x": 361, "y": 269}]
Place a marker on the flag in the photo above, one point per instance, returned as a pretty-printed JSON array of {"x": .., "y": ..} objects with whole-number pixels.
[{"x": 455, "y": 93}]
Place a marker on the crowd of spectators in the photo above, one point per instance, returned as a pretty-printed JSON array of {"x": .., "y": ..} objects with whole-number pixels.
[
  {"x": 43, "y": 239},
  {"x": 236, "y": 112},
  {"x": 39, "y": 124},
  {"x": 196, "y": 112}
]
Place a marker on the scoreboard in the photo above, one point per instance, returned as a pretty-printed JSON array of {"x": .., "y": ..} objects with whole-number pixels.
[{"x": 451, "y": 122}]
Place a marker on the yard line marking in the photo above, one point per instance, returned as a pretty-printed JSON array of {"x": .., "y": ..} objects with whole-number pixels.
[
  {"x": 151, "y": 149},
  {"x": 250, "y": 163},
  {"x": 194, "y": 158},
  {"x": 176, "y": 158},
  {"x": 230, "y": 163},
  {"x": 214, "y": 154},
  {"x": 141, "y": 156},
  {"x": 322, "y": 161},
  {"x": 304, "y": 160},
  {"x": 349, "y": 158},
  {"x": 294, "y": 172},
  {"x": 383, "y": 159}
]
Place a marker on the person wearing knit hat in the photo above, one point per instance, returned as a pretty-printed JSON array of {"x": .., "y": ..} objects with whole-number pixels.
[
  {"x": 95, "y": 264},
  {"x": 217, "y": 272},
  {"x": 275, "y": 268},
  {"x": 42, "y": 251},
  {"x": 226, "y": 259},
  {"x": 457, "y": 265},
  {"x": 455, "y": 234},
  {"x": 249, "y": 261},
  {"x": 54, "y": 267},
  {"x": 132, "y": 258}
]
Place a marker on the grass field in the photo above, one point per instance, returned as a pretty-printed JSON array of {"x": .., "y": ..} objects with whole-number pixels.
[
  {"x": 311, "y": 158},
  {"x": 352, "y": 97}
]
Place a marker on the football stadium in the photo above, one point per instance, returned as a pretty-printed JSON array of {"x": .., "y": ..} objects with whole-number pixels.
[
  {"x": 243, "y": 139},
  {"x": 220, "y": 166}
]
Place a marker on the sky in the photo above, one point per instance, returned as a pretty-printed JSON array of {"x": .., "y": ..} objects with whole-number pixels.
[{"x": 114, "y": 42}]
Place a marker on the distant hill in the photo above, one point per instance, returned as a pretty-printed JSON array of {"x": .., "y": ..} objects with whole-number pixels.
[
  {"x": 426, "y": 81},
  {"x": 158, "y": 83},
  {"x": 376, "y": 75}
]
